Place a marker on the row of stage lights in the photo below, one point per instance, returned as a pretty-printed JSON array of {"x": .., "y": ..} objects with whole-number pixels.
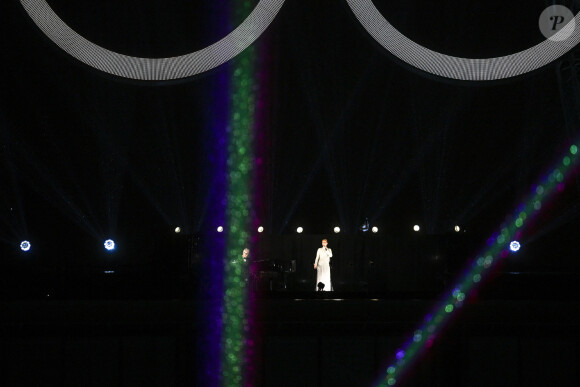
[
  {"x": 300, "y": 230},
  {"x": 110, "y": 244},
  {"x": 514, "y": 246}
]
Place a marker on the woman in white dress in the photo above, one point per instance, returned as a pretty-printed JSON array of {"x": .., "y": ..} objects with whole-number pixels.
[{"x": 322, "y": 266}]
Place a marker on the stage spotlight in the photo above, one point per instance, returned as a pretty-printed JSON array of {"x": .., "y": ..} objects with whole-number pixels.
[
  {"x": 416, "y": 227},
  {"x": 299, "y": 230},
  {"x": 337, "y": 229},
  {"x": 109, "y": 244},
  {"x": 25, "y": 245},
  {"x": 514, "y": 246},
  {"x": 220, "y": 229},
  {"x": 457, "y": 228},
  {"x": 375, "y": 230},
  {"x": 177, "y": 230},
  {"x": 260, "y": 229}
]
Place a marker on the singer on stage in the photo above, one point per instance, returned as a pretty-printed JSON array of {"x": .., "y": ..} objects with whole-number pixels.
[{"x": 322, "y": 266}]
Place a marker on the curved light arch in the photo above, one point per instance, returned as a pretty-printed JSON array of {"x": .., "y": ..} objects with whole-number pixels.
[
  {"x": 465, "y": 69},
  {"x": 152, "y": 69}
]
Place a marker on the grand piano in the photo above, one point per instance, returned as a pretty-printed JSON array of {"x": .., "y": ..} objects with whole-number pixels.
[{"x": 271, "y": 274}]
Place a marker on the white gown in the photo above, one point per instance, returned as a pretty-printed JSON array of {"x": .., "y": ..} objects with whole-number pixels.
[{"x": 323, "y": 268}]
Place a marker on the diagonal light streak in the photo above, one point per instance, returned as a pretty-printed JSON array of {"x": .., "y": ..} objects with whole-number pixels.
[{"x": 478, "y": 268}]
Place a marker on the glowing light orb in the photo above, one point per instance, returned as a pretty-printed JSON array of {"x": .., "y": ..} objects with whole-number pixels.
[
  {"x": 25, "y": 246},
  {"x": 337, "y": 230},
  {"x": 109, "y": 244},
  {"x": 457, "y": 228},
  {"x": 418, "y": 336},
  {"x": 177, "y": 230},
  {"x": 514, "y": 246},
  {"x": 260, "y": 229},
  {"x": 375, "y": 230},
  {"x": 416, "y": 227},
  {"x": 566, "y": 161},
  {"x": 220, "y": 229},
  {"x": 299, "y": 230}
]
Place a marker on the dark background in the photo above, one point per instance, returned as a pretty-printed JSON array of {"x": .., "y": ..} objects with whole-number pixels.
[{"x": 352, "y": 133}]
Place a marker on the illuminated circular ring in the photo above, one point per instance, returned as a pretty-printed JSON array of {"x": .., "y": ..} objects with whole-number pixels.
[
  {"x": 466, "y": 69},
  {"x": 152, "y": 69}
]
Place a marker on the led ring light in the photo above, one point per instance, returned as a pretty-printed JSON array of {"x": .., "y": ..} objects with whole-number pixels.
[
  {"x": 152, "y": 68},
  {"x": 466, "y": 69}
]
